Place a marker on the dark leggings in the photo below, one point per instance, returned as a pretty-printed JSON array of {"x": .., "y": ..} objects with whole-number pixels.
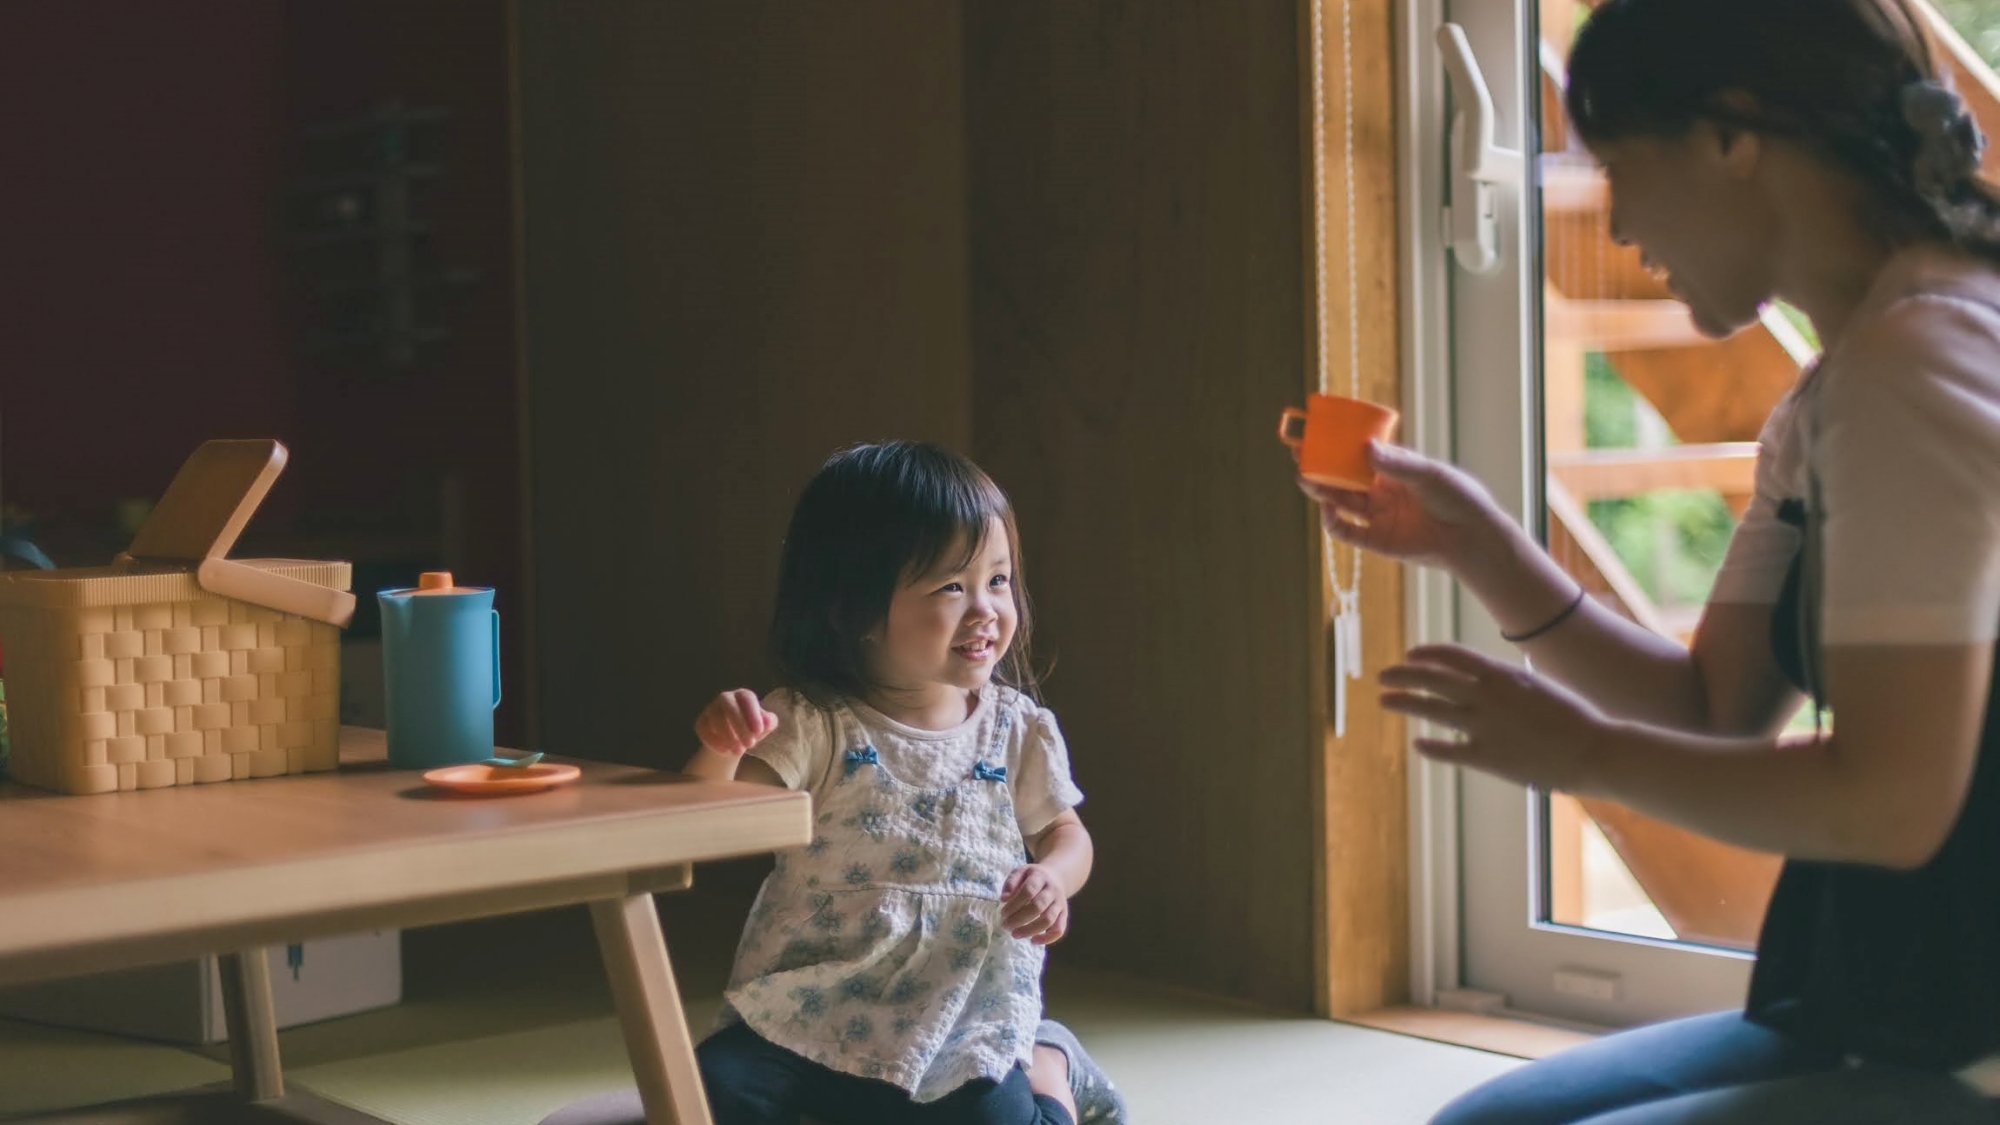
[
  {"x": 752, "y": 1081},
  {"x": 1715, "y": 1070}
]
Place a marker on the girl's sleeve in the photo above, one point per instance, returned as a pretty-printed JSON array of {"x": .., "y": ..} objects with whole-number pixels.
[
  {"x": 798, "y": 750},
  {"x": 1045, "y": 789}
]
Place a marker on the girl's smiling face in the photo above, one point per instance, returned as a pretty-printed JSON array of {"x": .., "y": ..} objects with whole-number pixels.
[{"x": 947, "y": 629}]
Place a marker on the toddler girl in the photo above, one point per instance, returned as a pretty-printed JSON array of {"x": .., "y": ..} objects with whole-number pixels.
[{"x": 891, "y": 969}]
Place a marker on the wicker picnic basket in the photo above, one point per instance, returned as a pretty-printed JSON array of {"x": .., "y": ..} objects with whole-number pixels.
[{"x": 177, "y": 664}]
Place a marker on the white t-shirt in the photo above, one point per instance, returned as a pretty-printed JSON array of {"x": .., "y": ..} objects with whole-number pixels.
[
  {"x": 802, "y": 749},
  {"x": 1901, "y": 425}
]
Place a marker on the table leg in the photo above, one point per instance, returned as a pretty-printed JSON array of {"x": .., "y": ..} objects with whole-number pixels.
[
  {"x": 649, "y": 1010},
  {"x": 253, "y": 1025}
]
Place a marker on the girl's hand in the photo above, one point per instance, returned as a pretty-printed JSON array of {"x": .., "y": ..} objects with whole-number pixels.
[
  {"x": 1418, "y": 509},
  {"x": 734, "y": 722},
  {"x": 1511, "y": 721},
  {"x": 1035, "y": 905}
]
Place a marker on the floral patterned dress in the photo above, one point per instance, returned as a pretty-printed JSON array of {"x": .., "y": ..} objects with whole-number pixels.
[{"x": 878, "y": 950}]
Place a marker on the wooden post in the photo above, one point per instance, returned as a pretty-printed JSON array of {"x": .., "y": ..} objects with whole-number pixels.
[{"x": 1362, "y": 947}]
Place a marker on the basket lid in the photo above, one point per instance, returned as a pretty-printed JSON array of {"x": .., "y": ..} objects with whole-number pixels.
[{"x": 211, "y": 499}]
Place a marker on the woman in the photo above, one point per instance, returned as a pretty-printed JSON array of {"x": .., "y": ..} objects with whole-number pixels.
[{"x": 1802, "y": 150}]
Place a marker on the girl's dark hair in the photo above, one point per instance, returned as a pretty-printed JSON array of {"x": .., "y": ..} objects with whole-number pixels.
[
  {"x": 1853, "y": 80},
  {"x": 873, "y": 518}
]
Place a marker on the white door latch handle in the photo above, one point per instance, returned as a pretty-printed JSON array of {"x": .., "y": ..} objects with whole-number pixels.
[{"x": 1472, "y": 222}]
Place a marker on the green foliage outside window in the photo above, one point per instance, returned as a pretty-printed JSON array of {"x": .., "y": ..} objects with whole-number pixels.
[
  {"x": 1979, "y": 22},
  {"x": 1672, "y": 540}
]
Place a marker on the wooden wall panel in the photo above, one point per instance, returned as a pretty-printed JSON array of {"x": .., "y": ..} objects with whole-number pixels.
[
  {"x": 1137, "y": 310},
  {"x": 744, "y": 247},
  {"x": 1069, "y": 236}
]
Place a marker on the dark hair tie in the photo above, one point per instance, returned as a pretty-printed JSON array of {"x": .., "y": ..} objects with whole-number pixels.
[{"x": 1949, "y": 141}]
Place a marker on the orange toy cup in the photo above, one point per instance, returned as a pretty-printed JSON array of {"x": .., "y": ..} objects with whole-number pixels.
[{"x": 1331, "y": 437}]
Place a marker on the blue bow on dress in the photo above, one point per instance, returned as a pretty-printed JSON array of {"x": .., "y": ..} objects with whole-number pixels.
[
  {"x": 865, "y": 756},
  {"x": 983, "y": 772}
]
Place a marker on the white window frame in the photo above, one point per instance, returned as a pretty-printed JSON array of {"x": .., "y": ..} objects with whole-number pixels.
[{"x": 1476, "y": 941}]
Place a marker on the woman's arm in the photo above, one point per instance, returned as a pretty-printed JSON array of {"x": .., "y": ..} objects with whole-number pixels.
[
  {"x": 1623, "y": 668},
  {"x": 1726, "y": 683},
  {"x": 1884, "y": 789}
]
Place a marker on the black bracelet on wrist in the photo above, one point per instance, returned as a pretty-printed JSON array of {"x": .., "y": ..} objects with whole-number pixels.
[{"x": 1522, "y": 638}]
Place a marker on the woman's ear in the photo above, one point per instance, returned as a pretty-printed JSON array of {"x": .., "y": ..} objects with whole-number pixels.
[
  {"x": 1741, "y": 152},
  {"x": 1735, "y": 147}
]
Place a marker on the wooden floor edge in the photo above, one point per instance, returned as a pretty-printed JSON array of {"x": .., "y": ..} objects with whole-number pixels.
[{"x": 1498, "y": 1035}]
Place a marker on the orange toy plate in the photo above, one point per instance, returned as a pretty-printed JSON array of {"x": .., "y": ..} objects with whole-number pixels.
[{"x": 498, "y": 780}]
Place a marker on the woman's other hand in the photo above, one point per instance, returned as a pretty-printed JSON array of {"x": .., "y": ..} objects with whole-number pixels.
[{"x": 1509, "y": 721}]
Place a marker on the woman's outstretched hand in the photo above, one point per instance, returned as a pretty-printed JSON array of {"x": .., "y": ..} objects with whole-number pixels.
[
  {"x": 1508, "y": 720},
  {"x": 1419, "y": 510}
]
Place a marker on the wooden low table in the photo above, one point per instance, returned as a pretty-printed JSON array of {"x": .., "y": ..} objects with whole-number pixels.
[{"x": 120, "y": 880}]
